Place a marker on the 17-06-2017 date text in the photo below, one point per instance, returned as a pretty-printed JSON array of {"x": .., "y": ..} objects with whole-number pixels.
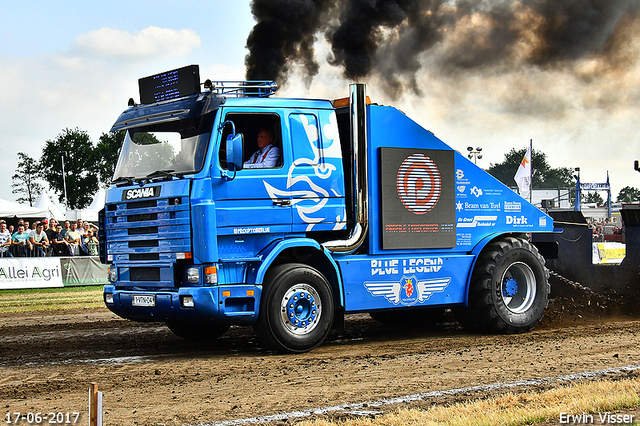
[{"x": 59, "y": 418}]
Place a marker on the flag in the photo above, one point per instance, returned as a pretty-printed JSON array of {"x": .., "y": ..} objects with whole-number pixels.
[{"x": 523, "y": 175}]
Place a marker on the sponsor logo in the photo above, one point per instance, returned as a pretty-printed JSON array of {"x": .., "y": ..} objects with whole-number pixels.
[
  {"x": 517, "y": 220},
  {"x": 461, "y": 188},
  {"x": 419, "y": 183},
  {"x": 134, "y": 194},
  {"x": 476, "y": 191},
  {"x": 478, "y": 207},
  {"x": 512, "y": 206},
  {"x": 476, "y": 221},
  {"x": 459, "y": 174},
  {"x": 409, "y": 290}
]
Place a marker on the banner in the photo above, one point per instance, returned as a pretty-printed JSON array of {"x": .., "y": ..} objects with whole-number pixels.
[
  {"x": 44, "y": 272},
  {"x": 83, "y": 270},
  {"x": 30, "y": 273}
]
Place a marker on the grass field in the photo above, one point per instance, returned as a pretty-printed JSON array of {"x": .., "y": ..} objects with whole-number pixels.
[
  {"x": 50, "y": 299},
  {"x": 599, "y": 402}
]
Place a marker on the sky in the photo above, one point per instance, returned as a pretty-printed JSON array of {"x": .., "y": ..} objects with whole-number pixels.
[{"x": 75, "y": 64}]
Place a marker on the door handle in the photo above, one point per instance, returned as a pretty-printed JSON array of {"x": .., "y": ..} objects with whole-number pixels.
[{"x": 281, "y": 202}]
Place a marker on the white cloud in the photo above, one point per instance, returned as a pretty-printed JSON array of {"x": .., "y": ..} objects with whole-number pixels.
[{"x": 151, "y": 42}]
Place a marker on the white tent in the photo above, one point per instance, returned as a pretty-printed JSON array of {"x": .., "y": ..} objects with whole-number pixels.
[
  {"x": 44, "y": 202},
  {"x": 90, "y": 213},
  {"x": 98, "y": 200},
  {"x": 11, "y": 209}
]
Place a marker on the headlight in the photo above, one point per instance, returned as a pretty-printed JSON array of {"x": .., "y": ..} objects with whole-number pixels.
[
  {"x": 193, "y": 275},
  {"x": 113, "y": 274},
  {"x": 108, "y": 298}
]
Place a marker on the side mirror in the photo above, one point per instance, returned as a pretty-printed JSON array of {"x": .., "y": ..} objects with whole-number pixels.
[{"x": 235, "y": 143}]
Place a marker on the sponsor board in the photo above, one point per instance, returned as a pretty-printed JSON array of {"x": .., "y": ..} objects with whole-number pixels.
[
  {"x": 26, "y": 272},
  {"x": 418, "y": 196}
]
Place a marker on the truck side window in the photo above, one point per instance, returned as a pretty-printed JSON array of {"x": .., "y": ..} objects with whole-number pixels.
[
  {"x": 304, "y": 130},
  {"x": 251, "y": 125}
]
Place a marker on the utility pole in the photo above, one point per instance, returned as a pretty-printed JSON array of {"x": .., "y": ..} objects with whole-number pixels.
[{"x": 64, "y": 154}]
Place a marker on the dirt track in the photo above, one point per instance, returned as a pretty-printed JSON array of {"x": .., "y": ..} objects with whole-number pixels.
[{"x": 150, "y": 377}]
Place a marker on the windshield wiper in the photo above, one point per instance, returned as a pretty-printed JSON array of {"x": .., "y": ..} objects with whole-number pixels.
[
  {"x": 125, "y": 180},
  {"x": 168, "y": 173}
]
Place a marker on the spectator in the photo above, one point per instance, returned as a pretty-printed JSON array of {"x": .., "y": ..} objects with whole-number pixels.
[
  {"x": 59, "y": 244},
  {"x": 91, "y": 243},
  {"x": 19, "y": 242},
  {"x": 38, "y": 241},
  {"x": 11, "y": 229},
  {"x": 66, "y": 228},
  {"x": 74, "y": 239},
  {"x": 80, "y": 228},
  {"x": 5, "y": 240},
  {"x": 26, "y": 225},
  {"x": 85, "y": 228},
  {"x": 51, "y": 231}
]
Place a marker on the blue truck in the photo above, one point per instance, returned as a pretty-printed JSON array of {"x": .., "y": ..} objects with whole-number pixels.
[{"x": 364, "y": 211}]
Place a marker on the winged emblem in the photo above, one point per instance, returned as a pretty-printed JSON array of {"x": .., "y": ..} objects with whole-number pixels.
[{"x": 393, "y": 291}]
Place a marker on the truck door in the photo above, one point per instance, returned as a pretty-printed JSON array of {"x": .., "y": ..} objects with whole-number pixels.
[
  {"x": 315, "y": 178},
  {"x": 244, "y": 205}
]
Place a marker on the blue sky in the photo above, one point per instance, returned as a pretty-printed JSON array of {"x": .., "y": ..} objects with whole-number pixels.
[{"x": 74, "y": 64}]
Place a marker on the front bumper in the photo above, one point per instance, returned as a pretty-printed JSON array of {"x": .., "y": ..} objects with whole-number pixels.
[{"x": 231, "y": 304}]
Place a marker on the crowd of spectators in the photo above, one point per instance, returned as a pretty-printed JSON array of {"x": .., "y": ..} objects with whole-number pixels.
[
  {"x": 607, "y": 226},
  {"x": 48, "y": 238}
]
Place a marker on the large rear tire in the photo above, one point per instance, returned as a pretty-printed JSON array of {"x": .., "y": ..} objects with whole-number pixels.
[
  {"x": 509, "y": 289},
  {"x": 296, "y": 309},
  {"x": 197, "y": 332}
]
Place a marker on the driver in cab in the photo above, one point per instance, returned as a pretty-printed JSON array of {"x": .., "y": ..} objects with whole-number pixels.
[{"x": 267, "y": 154}]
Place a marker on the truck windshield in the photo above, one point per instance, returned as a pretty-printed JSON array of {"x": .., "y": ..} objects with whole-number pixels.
[{"x": 154, "y": 154}]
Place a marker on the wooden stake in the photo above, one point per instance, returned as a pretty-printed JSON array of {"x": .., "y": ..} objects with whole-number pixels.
[{"x": 93, "y": 404}]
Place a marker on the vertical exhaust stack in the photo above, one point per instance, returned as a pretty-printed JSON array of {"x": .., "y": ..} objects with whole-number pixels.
[{"x": 358, "y": 117}]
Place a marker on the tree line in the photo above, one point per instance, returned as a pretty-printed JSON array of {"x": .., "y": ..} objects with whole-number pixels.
[
  {"x": 546, "y": 177},
  {"x": 87, "y": 167}
]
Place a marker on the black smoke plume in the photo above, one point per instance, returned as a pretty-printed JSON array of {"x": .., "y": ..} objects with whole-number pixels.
[{"x": 394, "y": 39}]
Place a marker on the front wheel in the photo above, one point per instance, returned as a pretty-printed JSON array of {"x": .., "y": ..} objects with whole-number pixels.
[
  {"x": 296, "y": 309},
  {"x": 509, "y": 288}
]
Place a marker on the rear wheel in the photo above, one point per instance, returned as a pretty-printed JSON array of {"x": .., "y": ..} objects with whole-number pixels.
[
  {"x": 296, "y": 309},
  {"x": 197, "y": 332},
  {"x": 509, "y": 288}
]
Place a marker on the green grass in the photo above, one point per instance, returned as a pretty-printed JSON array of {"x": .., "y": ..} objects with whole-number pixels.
[
  {"x": 529, "y": 408},
  {"x": 50, "y": 299}
]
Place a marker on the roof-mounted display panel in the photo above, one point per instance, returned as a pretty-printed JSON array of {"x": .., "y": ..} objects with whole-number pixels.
[{"x": 168, "y": 85}]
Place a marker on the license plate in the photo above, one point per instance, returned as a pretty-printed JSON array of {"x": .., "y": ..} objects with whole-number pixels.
[{"x": 146, "y": 300}]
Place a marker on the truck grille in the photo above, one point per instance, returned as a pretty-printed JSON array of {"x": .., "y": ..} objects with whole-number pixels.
[{"x": 144, "y": 237}]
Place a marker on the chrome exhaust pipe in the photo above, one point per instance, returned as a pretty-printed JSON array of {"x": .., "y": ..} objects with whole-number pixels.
[{"x": 358, "y": 117}]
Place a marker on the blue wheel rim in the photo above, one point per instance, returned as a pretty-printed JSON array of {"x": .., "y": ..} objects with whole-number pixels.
[{"x": 300, "y": 309}]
